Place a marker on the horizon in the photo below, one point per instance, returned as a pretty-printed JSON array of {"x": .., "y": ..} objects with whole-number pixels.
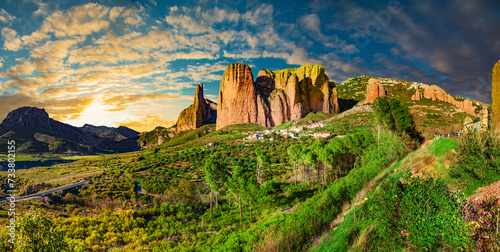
[{"x": 112, "y": 64}]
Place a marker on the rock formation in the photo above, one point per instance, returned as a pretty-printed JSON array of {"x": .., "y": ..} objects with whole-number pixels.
[
  {"x": 374, "y": 90},
  {"x": 202, "y": 111},
  {"x": 495, "y": 95},
  {"x": 237, "y": 96},
  {"x": 436, "y": 93},
  {"x": 275, "y": 97},
  {"x": 417, "y": 96}
]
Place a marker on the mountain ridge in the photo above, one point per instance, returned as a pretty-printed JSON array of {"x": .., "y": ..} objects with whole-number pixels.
[{"x": 43, "y": 134}]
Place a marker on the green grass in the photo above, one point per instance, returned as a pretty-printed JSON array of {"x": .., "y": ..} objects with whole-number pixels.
[
  {"x": 442, "y": 146},
  {"x": 284, "y": 125},
  {"x": 190, "y": 135},
  {"x": 239, "y": 127},
  {"x": 315, "y": 117}
]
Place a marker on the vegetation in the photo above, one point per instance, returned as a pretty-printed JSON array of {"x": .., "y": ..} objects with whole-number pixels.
[
  {"x": 358, "y": 192},
  {"x": 478, "y": 162}
]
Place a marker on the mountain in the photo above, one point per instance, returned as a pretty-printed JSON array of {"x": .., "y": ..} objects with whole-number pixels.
[
  {"x": 202, "y": 111},
  {"x": 157, "y": 136},
  {"x": 115, "y": 134},
  {"x": 35, "y": 132},
  {"x": 275, "y": 97}
]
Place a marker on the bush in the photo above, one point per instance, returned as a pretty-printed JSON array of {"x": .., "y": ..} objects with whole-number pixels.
[
  {"x": 478, "y": 160},
  {"x": 419, "y": 213}
]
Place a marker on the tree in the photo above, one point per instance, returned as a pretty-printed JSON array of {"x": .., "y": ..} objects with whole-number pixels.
[
  {"x": 215, "y": 175},
  {"x": 326, "y": 159},
  {"x": 383, "y": 112},
  {"x": 236, "y": 183},
  {"x": 37, "y": 233},
  {"x": 262, "y": 159},
  {"x": 250, "y": 190},
  {"x": 294, "y": 152},
  {"x": 336, "y": 158},
  {"x": 395, "y": 115}
]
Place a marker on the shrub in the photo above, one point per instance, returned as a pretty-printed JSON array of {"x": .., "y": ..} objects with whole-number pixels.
[
  {"x": 420, "y": 213},
  {"x": 478, "y": 160}
]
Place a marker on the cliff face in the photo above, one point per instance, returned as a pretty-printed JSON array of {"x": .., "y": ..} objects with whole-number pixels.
[
  {"x": 237, "y": 96},
  {"x": 495, "y": 95},
  {"x": 373, "y": 90},
  {"x": 417, "y": 96},
  {"x": 434, "y": 92},
  {"x": 275, "y": 97},
  {"x": 199, "y": 113}
]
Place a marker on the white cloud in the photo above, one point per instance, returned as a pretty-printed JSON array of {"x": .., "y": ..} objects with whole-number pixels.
[
  {"x": 11, "y": 40},
  {"x": 5, "y": 17}
]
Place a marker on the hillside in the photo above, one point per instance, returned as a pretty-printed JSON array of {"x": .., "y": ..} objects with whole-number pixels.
[{"x": 432, "y": 115}]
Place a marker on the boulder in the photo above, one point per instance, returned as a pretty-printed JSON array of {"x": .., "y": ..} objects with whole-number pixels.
[{"x": 436, "y": 93}]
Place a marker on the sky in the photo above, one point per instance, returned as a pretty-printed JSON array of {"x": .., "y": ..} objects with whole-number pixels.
[{"x": 137, "y": 63}]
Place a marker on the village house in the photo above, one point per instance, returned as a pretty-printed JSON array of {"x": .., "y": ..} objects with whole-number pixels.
[{"x": 323, "y": 134}]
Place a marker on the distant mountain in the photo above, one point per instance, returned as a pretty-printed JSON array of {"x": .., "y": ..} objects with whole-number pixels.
[
  {"x": 115, "y": 134},
  {"x": 35, "y": 132}
]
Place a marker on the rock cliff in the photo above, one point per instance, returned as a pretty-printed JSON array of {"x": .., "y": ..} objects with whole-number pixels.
[
  {"x": 237, "y": 101},
  {"x": 202, "y": 111},
  {"x": 275, "y": 97},
  {"x": 434, "y": 92},
  {"x": 495, "y": 95},
  {"x": 417, "y": 96},
  {"x": 374, "y": 90}
]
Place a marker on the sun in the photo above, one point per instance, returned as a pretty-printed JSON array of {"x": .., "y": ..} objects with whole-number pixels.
[{"x": 99, "y": 114}]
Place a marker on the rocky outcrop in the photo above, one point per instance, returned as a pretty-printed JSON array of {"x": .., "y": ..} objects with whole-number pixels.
[
  {"x": 417, "y": 96},
  {"x": 495, "y": 95},
  {"x": 275, "y": 97},
  {"x": 374, "y": 90},
  {"x": 434, "y": 92},
  {"x": 201, "y": 112},
  {"x": 237, "y": 96}
]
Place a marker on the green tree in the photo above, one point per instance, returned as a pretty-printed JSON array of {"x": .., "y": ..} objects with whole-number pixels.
[
  {"x": 383, "y": 112},
  {"x": 237, "y": 182},
  {"x": 250, "y": 190},
  {"x": 262, "y": 159},
  {"x": 37, "y": 233},
  {"x": 396, "y": 116},
  {"x": 215, "y": 175},
  {"x": 336, "y": 150},
  {"x": 294, "y": 153}
]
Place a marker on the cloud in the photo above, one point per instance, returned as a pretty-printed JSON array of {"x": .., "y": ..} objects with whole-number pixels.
[
  {"x": 146, "y": 122},
  {"x": 11, "y": 40},
  {"x": 121, "y": 101},
  {"x": 5, "y": 17},
  {"x": 58, "y": 109}
]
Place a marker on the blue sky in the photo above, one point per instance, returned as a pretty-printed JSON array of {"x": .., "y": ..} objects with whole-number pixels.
[{"x": 136, "y": 63}]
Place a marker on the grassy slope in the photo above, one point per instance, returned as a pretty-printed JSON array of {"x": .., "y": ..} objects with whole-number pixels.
[{"x": 352, "y": 233}]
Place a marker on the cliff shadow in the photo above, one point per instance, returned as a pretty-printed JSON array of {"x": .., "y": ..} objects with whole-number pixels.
[{"x": 346, "y": 104}]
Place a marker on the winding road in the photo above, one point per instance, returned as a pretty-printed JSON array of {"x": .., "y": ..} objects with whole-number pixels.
[{"x": 48, "y": 192}]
